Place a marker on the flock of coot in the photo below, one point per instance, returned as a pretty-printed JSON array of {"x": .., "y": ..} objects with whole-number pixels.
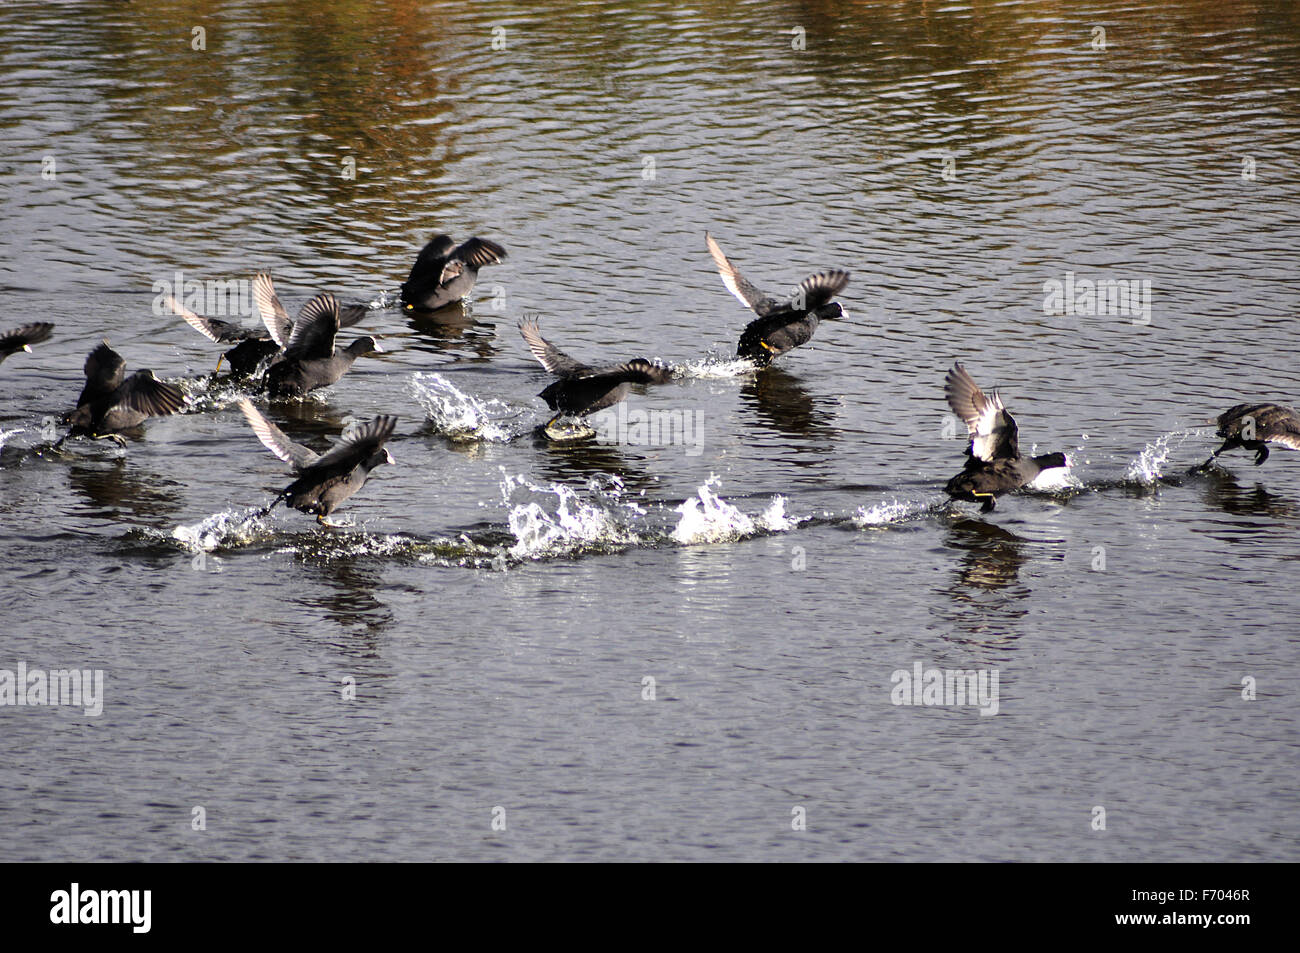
[{"x": 290, "y": 357}]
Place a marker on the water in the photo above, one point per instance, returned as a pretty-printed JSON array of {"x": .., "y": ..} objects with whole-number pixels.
[{"x": 497, "y": 600}]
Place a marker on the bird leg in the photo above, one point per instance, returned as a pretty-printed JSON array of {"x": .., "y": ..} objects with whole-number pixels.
[
  {"x": 990, "y": 501},
  {"x": 217, "y": 370},
  {"x": 1261, "y": 453},
  {"x": 1227, "y": 445}
]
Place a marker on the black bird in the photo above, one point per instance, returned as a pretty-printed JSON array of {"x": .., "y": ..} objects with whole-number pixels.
[
  {"x": 445, "y": 272},
  {"x": 111, "y": 402},
  {"x": 1254, "y": 427},
  {"x": 995, "y": 465},
  {"x": 781, "y": 325},
  {"x": 582, "y": 389},
  {"x": 324, "y": 480},
  {"x": 253, "y": 346},
  {"x": 310, "y": 359},
  {"x": 23, "y": 337}
]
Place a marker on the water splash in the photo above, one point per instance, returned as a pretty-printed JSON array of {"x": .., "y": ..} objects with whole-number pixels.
[
  {"x": 708, "y": 518},
  {"x": 222, "y": 530},
  {"x": 461, "y": 417},
  {"x": 890, "y": 511},
  {"x": 715, "y": 367},
  {"x": 1145, "y": 469},
  {"x": 208, "y": 394},
  {"x": 554, "y": 519}
]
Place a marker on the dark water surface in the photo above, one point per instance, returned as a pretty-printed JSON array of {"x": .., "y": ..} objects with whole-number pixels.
[{"x": 499, "y": 600}]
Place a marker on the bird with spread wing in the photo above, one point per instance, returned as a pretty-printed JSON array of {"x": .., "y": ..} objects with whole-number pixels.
[
  {"x": 781, "y": 325},
  {"x": 994, "y": 465}
]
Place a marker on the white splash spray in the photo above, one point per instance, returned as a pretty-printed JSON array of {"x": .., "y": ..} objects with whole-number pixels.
[{"x": 461, "y": 416}]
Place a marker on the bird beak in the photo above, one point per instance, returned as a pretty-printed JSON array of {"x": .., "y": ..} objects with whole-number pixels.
[
  {"x": 844, "y": 312},
  {"x": 27, "y": 348},
  {"x": 378, "y": 349},
  {"x": 389, "y": 455}
]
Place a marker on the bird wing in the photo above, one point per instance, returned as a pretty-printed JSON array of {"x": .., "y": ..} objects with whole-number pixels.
[
  {"x": 451, "y": 270},
  {"x": 144, "y": 393},
  {"x": 1284, "y": 428},
  {"x": 747, "y": 294},
  {"x": 431, "y": 256},
  {"x": 817, "y": 290},
  {"x": 474, "y": 253},
  {"x": 548, "y": 355},
  {"x": 637, "y": 371},
  {"x": 25, "y": 334},
  {"x": 222, "y": 332},
  {"x": 477, "y": 252},
  {"x": 274, "y": 439},
  {"x": 314, "y": 331},
  {"x": 104, "y": 371},
  {"x": 352, "y": 315},
  {"x": 992, "y": 430},
  {"x": 276, "y": 319},
  {"x": 359, "y": 443}
]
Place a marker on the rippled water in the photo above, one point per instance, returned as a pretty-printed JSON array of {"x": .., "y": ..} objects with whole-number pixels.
[{"x": 499, "y": 600}]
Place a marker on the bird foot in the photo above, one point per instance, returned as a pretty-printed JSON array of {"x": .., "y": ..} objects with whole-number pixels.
[{"x": 567, "y": 433}]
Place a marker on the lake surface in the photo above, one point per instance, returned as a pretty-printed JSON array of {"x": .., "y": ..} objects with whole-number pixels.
[{"x": 499, "y": 601}]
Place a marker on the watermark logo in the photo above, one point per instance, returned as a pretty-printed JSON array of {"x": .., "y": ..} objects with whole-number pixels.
[
  {"x": 952, "y": 688},
  {"x": 103, "y": 906},
  {"x": 651, "y": 428},
  {"x": 1114, "y": 297},
  {"x": 76, "y": 687},
  {"x": 211, "y": 298}
]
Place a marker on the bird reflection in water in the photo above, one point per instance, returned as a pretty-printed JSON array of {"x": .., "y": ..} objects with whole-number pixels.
[
  {"x": 986, "y": 596},
  {"x": 348, "y": 598},
  {"x": 453, "y": 329},
  {"x": 784, "y": 405},
  {"x": 112, "y": 487},
  {"x": 563, "y": 462},
  {"x": 1225, "y": 493}
]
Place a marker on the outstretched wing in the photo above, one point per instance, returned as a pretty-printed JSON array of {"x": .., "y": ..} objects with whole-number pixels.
[
  {"x": 314, "y": 331},
  {"x": 817, "y": 290},
  {"x": 478, "y": 252},
  {"x": 221, "y": 332},
  {"x": 144, "y": 393},
  {"x": 747, "y": 294},
  {"x": 360, "y": 443},
  {"x": 640, "y": 371},
  {"x": 274, "y": 439},
  {"x": 547, "y": 354},
  {"x": 20, "y": 337},
  {"x": 105, "y": 371},
  {"x": 352, "y": 314},
  {"x": 992, "y": 430},
  {"x": 276, "y": 319},
  {"x": 1280, "y": 425},
  {"x": 432, "y": 255}
]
